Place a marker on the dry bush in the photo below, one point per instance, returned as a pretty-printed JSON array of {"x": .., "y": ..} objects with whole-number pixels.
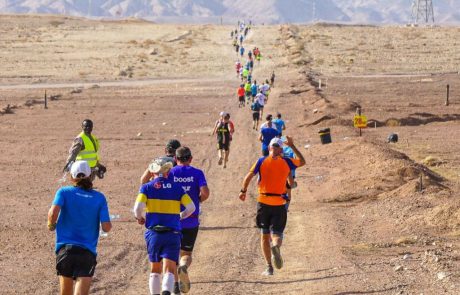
[
  {"x": 142, "y": 56},
  {"x": 392, "y": 123},
  {"x": 134, "y": 42},
  {"x": 56, "y": 23},
  {"x": 82, "y": 74},
  {"x": 149, "y": 42},
  {"x": 188, "y": 43}
]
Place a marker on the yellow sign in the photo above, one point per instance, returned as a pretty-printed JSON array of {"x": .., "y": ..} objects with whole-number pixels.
[{"x": 360, "y": 121}]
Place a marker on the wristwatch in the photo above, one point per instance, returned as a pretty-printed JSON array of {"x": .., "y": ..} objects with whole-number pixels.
[{"x": 243, "y": 191}]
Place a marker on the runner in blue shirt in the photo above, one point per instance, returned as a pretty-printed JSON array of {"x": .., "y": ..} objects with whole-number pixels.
[
  {"x": 254, "y": 88},
  {"x": 77, "y": 213},
  {"x": 194, "y": 184},
  {"x": 267, "y": 133},
  {"x": 162, "y": 199},
  {"x": 279, "y": 123}
]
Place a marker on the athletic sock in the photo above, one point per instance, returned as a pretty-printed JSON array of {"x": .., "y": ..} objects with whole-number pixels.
[
  {"x": 155, "y": 283},
  {"x": 168, "y": 282}
]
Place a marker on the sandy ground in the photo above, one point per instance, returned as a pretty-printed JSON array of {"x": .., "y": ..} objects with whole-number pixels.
[{"x": 359, "y": 223}]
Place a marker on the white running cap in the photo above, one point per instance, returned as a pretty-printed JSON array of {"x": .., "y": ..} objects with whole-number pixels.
[
  {"x": 80, "y": 167},
  {"x": 222, "y": 114},
  {"x": 276, "y": 142}
]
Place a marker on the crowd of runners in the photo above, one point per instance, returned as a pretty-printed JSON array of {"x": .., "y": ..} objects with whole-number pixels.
[{"x": 172, "y": 190}]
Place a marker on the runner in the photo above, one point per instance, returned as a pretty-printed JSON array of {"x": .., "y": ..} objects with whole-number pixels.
[
  {"x": 77, "y": 214},
  {"x": 240, "y": 93},
  {"x": 241, "y": 51},
  {"x": 279, "y": 123},
  {"x": 261, "y": 99},
  {"x": 170, "y": 151},
  {"x": 250, "y": 55},
  {"x": 254, "y": 89},
  {"x": 255, "y": 107},
  {"x": 194, "y": 184},
  {"x": 245, "y": 74},
  {"x": 237, "y": 48},
  {"x": 272, "y": 80},
  {"x": 273, "y": 172},
  {"x": 247, "y": 90},
  {"x": 241, "y": 40},
  {"x": 237, "y": 67},
  {"x": 161, "y": 199},
  {"x": 267, "y": 133},
  {"x": 224, "y": 130},
  {"x": 291, "y": 183}
]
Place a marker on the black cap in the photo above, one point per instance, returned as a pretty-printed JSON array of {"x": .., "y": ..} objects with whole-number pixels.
[
  {"x": 183, "y": 153},
  {"x": 172, "y": 146}
]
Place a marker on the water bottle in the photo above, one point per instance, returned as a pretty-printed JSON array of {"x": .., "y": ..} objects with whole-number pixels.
[{"x": 114, "y": 217}]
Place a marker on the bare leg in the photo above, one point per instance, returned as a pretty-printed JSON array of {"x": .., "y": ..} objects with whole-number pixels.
[
  {"x": 226, "y": 157},
  {"x": 265, "y": 245},
  {"x": 185, "y": 258},
  {"x": 82, "y": 286},
  {"x": 66, "y": 284},
  {"x": 220, "y": 157},
  {"x": 277, "y": 240}
]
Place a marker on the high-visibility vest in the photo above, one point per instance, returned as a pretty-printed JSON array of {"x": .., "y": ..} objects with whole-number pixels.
[{"x": 89, "y": 154}]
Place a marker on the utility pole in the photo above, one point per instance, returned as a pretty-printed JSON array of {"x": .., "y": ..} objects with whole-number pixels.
[
  {"x": 422, "y": 10},
  {"x": 313, "y": 11}
]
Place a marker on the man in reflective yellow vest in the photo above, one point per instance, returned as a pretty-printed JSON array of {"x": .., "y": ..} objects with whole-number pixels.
[{"x": 85, "y": 147}]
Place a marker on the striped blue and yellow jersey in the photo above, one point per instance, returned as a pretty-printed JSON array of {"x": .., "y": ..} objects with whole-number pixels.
[{"x": 163, "y": 198}]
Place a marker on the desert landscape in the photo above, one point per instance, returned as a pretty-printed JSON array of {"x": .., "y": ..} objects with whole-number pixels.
[{"x": 368, "y": 216}]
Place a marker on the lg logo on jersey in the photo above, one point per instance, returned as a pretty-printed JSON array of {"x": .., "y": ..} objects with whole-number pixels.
[{"x": 159, "y": 185}]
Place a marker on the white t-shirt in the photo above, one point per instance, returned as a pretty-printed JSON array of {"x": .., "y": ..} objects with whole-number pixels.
[
  {"x": 260, "y": 98},
  {"x": 264, "y": 88},
  {"x": 265, "y": 125}
]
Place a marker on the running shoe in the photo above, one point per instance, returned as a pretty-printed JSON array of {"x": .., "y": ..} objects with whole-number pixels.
[
  {"x": 268, "y": 271},
  {"x": 176, "y": 288},
  {"x": 277, "y": 260},
  {"x": 184, "y": 281},
  {"x": 220, "y": 161}
]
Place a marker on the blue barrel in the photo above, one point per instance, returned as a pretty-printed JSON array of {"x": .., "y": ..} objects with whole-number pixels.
[{"x": 325, "y": 135}]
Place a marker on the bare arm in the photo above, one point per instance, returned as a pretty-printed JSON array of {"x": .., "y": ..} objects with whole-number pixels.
[
  {"x": 297, "y": 153},
  {"x": 204, "y": 193},
  {"x": 246, "y": 182},
  {"x": 76, "y": 147},
  {"x": 215, "y": 129},
  {"x": 53, "y": 215},
  {"x": 260, "y": 136},
  {"x": 146, "y": 177}
]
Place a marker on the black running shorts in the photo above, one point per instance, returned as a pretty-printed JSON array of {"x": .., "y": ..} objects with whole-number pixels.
[
  {"x": 223, "y": 146},
  {"x": 271, "y": 218},
  {"x": 188, "y": 238},
  {"x": 74, "y": 262},
  {"x": 241, "y": 98},
  {"x": 255, "y": 116}
]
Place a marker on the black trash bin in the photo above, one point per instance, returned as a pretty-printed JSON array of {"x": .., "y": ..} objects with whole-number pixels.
[{"x": 325, "y": 135}]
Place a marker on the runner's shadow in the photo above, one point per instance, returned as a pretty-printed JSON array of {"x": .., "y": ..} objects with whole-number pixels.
[
  {"x": 223, "y": 227},
  {"x": 275, "y": 283}
]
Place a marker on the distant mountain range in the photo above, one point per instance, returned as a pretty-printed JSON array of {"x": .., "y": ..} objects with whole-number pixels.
[{"x": 267, "y": 11}]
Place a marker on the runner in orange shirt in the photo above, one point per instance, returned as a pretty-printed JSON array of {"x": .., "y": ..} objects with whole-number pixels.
[
  {"x": 273, "y": 171},
  {"x": 241, "y": 93}
]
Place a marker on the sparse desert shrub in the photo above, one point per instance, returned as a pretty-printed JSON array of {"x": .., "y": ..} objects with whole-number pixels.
[
  {"x": 134, "y": 42},
  {"x": 56, "y": 23},
  {"x": 149, "y": 42}
]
